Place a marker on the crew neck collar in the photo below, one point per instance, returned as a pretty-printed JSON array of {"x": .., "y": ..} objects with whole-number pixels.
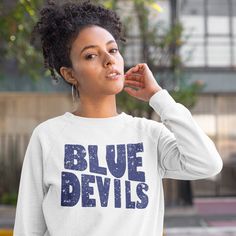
[{"x": 98, "y": 120}]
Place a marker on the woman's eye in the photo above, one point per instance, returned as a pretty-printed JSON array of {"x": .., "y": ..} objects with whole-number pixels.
[
  {"x": 90, "y": 56},
  {"x": 114, "y": 50}
]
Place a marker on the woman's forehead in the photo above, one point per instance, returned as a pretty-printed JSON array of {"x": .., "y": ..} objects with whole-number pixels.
[{"x": 94, "y": 35}]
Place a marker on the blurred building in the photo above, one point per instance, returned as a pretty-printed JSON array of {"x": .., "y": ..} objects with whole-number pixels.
[
  {"x": 209, "y": 56},
  {"x": 212, "y": 26}
]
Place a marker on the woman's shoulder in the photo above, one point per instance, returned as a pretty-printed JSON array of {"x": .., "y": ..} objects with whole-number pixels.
[
  {"x": 144, "y": 120},
  {"x": 51, "y": 124},
  {"x": 145, "y": 123}
]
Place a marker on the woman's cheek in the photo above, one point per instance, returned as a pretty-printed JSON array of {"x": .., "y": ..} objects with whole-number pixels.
[{"x": 120, "y": 59}]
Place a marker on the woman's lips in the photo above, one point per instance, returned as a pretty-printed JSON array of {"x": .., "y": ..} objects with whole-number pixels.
[{"x": 113, "y": 76}]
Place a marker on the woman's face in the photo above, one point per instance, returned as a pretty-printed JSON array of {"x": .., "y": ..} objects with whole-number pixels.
[{"x": 97, "y": 63}]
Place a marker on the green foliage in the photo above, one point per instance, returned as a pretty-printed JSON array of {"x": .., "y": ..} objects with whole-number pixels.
[
  {"x": 161, "y": 47},
  {"x": 9, "y": 198},
  {"x": 16, "y": 24},
  {"x": 110, "y": 4},
  {"x": 132, "y": 105},
  {"x": 188, "y": 95}
]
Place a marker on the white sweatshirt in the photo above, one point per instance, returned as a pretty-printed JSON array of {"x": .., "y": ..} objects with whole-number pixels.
[{"x": 103, "y": 176}]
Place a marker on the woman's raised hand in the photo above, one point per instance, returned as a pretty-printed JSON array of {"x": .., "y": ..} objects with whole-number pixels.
[{"x": 142, "y": 82}]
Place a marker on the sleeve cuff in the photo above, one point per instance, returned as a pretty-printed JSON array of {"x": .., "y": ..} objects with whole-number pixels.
[{"x": 160, "y": 101}]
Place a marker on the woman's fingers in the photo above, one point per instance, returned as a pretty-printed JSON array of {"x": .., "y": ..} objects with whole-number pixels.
[
  {"x": 134, "y": 83},
  {"x": 136, "y": 77},
  {"x": 141, "y": 81},
  {"x": 132, "y": 70},
  {"x": 139, "y": 69}
]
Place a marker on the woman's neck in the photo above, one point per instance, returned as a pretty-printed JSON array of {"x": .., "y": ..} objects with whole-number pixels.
[{"x": 97, "y": 108}]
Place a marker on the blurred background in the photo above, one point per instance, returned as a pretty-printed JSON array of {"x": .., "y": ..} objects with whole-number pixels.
[{"x": 190, "y": 46}]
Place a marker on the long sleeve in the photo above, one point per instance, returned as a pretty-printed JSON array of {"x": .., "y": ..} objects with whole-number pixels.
[
  {"x": 29, "y": 216},
  {"x": 184, "y": 150}
]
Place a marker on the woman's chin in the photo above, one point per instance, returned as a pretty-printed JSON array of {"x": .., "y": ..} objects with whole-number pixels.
[
  {"x": 117, "y": 89},
  {"x": 120, "y": 89}
]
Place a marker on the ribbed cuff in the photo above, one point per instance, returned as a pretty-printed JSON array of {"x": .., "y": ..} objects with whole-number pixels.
[{"x": 160, "y": 101}]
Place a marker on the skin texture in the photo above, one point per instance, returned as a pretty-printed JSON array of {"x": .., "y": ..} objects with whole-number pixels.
[{"x": 94, "y": 55}]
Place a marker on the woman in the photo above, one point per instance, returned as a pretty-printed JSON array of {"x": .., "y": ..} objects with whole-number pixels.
[{"x": 94, "y": 171}]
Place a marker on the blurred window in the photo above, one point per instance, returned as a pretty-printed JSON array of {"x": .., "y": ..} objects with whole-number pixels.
[
  {"x": 158, "y": 20},
  {"x": 192, "y": 7},
  {"x": 211, "y": 28}
]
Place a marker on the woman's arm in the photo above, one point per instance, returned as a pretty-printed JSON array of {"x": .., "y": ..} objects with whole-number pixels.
[
  {"x": 184, "y": 150},
  {"x": 29, "y": 215}
]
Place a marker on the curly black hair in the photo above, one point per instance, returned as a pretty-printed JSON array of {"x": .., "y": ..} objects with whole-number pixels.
[{"x": 59, "y": 25}]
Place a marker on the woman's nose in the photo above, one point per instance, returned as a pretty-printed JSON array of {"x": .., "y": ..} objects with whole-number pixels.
[{"x": 108, "y": 60}]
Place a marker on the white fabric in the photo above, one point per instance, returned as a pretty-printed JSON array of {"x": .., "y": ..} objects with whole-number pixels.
[{"x": 103, "y": 176}]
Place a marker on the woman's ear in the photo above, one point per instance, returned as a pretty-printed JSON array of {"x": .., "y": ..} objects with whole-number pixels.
[{"x": 67, "y": 74}]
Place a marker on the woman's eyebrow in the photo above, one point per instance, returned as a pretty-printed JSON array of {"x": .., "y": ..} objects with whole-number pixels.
[{"x": 95, "y": 46}]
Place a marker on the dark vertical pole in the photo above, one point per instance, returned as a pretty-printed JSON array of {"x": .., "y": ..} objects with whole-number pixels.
[
  {"x": 173, "y": 49},
  {"x": 182, "y": 189},
  {"x": 174, "y": 13},
  {"x": 217, "y": 136},
  {"x": 206, "y": 32}
]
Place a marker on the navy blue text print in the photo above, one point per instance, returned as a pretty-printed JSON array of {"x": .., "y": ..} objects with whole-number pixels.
[{"x": 119, "y": 159}]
